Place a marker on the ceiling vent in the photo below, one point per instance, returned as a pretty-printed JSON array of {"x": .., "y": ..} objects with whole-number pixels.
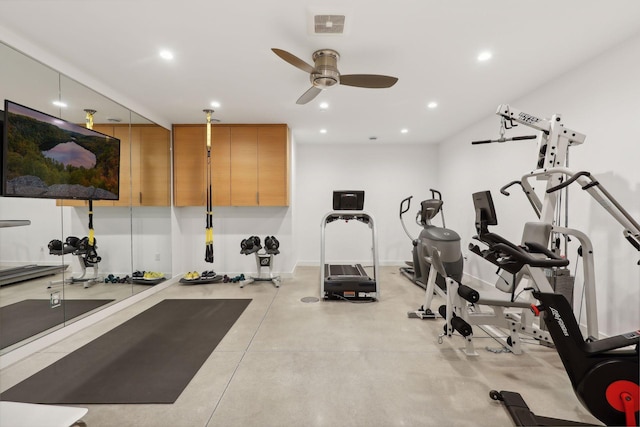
[{"x": 328, "y": 24}]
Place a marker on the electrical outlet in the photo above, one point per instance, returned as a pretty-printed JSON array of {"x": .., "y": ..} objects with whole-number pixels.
[
  {"x": 157, "y": 257},
  {"x": 55, "y": 299}
]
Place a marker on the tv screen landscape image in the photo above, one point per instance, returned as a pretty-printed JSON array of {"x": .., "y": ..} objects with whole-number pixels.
[{"x": 47, "y": 157}]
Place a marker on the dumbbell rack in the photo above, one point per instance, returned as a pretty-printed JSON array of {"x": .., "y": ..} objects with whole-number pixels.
[
  {"x": 264, "y": 260},
  {"x": 84, "y": 263}
]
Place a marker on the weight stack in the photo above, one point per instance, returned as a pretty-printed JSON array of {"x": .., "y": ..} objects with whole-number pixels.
[{"x": 562, "y": 283}]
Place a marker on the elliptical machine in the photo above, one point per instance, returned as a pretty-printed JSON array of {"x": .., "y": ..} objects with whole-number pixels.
[{"x": 444, "y": 240}]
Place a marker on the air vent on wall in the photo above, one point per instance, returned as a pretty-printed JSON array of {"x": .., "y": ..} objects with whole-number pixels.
[{"x": 328, "y": 24}]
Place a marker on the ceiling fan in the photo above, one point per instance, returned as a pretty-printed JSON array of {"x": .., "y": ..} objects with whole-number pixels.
[{"x": 324, "y": 73}]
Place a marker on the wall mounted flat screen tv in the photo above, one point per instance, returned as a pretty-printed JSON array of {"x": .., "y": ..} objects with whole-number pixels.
[{"x": 47, "y": 157}]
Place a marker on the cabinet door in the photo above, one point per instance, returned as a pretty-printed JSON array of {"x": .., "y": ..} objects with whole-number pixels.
[
  {"x": 244, "y": 166},
  {"x": 221, "y": 165},
  {"x": 154, "y": 166},
  {"x": 189, "y": 161},
  {"x": 126, "y": 134},
  {"x": 273, "y": 166}
]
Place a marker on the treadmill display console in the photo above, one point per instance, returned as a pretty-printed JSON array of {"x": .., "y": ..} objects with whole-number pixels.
[{"x": 348, "y": 200}]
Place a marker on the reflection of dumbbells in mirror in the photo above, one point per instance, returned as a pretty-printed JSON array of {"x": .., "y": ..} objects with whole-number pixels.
[
  {"x": 86, "y": 253},
  {"x": 264, "y": 259}
]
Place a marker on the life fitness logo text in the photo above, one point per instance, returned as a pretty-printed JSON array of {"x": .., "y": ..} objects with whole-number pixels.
[{"x": 560, "y": 322}]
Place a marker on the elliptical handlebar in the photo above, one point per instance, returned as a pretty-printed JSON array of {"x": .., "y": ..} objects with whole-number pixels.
[
  {"x": 405, "y": 202},
  {"x": 404, "y": 210},
  {"x": 434, "y": 192}
]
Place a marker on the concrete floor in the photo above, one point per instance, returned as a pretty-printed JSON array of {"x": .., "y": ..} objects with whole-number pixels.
[{"x": 333, "y": 363}]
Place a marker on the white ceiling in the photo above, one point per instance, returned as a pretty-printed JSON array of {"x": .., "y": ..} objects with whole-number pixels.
[{"x": 223, "y": 52}]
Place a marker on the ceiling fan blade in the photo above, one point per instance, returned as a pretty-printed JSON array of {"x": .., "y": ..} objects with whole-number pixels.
[
  {"x": 368, "y": 80},
  {"x": 308, "y": 95},
  {"x": 293, "y": 60}
]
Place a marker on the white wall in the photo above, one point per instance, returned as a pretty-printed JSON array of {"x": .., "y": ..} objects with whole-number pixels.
[
  {"x": 387, "y": 172},
  {"x": 602, "y": 100},
  {"x": 230, "y": 226}
]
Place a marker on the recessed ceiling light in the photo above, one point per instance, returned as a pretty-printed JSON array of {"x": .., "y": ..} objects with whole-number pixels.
[
  {"x": 324, "y": 105},
  {"x": 432, "y": 104},
  {"x": 484, "y": 56},
  {"x": 215, "y": 104},
  {"x": 60, "y": 104},
  {"x": 165, "y": 54},
  {"x": 323, "y": 131},
  {"x": 404, "y": 131}
]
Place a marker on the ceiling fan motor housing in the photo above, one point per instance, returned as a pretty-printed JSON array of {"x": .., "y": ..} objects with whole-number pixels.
[{"x": 326, "y": 72}]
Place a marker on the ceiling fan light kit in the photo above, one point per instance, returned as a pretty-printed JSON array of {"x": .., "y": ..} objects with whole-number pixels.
[{"x": 324, "y": 73}]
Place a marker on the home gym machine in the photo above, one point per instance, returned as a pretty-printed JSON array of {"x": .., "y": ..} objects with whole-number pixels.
[
  {"x": 505, "y": 309},
  {"x": 348, "y": 282},
  {"x": 264, "y": 259},
  {"x": 442, "y": 239},
  {"x": 554, "y": 141},
  {"x": 604, "y": 373}
]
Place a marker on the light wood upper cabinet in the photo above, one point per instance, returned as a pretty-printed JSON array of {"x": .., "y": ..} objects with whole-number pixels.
[
  {"x": 244, "y": 166},
  {"x": 249, "y": 165},
  {"x": 221, "y": 165},
  {"x": 273, "y": 165}
]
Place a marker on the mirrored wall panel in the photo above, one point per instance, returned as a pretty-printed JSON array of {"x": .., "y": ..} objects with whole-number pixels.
[{"x": 85, "y": 216}]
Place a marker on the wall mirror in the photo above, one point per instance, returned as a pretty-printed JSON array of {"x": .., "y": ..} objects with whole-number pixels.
[{"x": 41, "y": 291}]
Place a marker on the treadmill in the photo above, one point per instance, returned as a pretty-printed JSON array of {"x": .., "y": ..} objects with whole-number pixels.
[
  {"x": 26, "y": 272},
  {"x": 344, "y": 281}
]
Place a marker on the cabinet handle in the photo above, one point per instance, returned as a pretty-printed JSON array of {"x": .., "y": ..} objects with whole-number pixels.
[
  {"x": 257, "y": 198},
  {"x": 140, "y": 197}
]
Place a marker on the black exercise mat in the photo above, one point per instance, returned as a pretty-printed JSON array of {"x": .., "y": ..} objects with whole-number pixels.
[
  {"x": 148, "y": 359},
  {"x": 27, "y": 318}
]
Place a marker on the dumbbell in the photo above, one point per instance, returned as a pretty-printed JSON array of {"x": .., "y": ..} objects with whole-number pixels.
[
  {"x": 250, "y": 245},
  {"x": 271, "y": 245}
]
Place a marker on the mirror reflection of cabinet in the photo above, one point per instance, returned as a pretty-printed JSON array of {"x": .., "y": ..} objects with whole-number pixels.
[
  {"x": 134, "y": 234},
  {"x": 153, "y": 174}
]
